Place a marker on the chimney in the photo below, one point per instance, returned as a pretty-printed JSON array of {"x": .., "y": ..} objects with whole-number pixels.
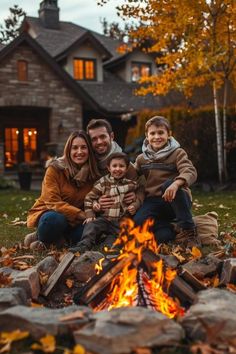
[{"x": 49, "y": 14}]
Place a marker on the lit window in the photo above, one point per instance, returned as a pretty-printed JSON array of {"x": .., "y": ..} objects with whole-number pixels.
[
  {"x": 84, "y": 69},
  {"x": 22, "y": 70},
  {"x": 139, "y": 70}
]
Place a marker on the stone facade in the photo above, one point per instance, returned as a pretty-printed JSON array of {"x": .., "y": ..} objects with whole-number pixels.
[{"x": 44, "y": 89}]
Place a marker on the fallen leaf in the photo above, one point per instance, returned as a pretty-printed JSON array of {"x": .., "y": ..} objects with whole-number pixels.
[
  {"x": 7, "y": 338},
  {"x": 69, "y": 283},
  {"x": 196, "y": 253},
  {"x": 179, "y": 257},
  {"x": 142, "y": 351},
  {"x": 216, "y": 281},
  {"x": 78, "y": 349},
  {"x": 231, "y": 287},
  {"x": 5, "y": 280},
  {"x": 47, "y": 344},
  {"x": 43, "y": 278}
]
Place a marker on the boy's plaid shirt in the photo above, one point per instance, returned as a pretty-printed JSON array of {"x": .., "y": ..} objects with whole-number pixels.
[{"x": 117, "y": 189}]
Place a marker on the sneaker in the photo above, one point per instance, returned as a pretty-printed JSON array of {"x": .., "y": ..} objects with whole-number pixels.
[
  {"x": 30, "y": 238},
  {"x": 79, "y": 248},
  {"x": 37, "y": 246},
  {"x": 188, "y": 238}
]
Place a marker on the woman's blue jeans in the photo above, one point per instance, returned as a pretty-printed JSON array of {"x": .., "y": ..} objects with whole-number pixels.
[
  {"x": 164, "y": 213},
  {"x": 53, "y": 228}
]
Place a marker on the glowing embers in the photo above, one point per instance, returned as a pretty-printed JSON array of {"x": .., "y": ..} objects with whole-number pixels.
[{"x": 136, "y": 277}]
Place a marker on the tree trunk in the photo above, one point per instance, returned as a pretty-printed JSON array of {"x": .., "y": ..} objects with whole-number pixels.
[
  {"x": 225, "y": 128},
  {"x": 218, "y": 135}
]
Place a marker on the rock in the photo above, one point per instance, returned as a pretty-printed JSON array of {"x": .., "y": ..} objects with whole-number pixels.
[
  {"x": 124, "y": 329},
  {"x": 12, "y": 296},
  {"x": 228, "y": 274},
  {"x": 41, "y": 321},
  {"x": 83, "y": 267},
  {"x": 47, "y": 265},
  {"x": 214, "y": 308},
  {"x": 29, "y": 281}
]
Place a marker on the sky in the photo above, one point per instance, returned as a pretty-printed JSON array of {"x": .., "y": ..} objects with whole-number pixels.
[{"x": 85, "y": 13}]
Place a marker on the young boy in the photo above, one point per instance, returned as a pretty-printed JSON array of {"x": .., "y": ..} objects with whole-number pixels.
[
  {"x": 114, "y": 184},
  {"x": 168, "y": 173}
]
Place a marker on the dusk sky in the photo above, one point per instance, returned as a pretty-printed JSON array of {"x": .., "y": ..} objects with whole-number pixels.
[{"x": 82, "y": 12}]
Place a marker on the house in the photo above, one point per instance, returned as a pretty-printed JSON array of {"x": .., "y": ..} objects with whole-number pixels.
[{"x": 55, "y": 77}]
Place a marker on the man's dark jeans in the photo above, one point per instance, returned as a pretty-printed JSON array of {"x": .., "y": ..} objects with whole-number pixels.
[
  {"x": 53, "y": 228},
  {"x": 163, "y": 213}
]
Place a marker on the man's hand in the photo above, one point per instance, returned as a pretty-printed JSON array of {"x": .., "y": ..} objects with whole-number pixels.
[
  {"x": 106, "y": 202},
  {"x": 170, "y": 192},
  {"x": 86, "y": 221},
  {"x": 129, "y": 197},
  {"x": 131, "y": 209},
  {"x": 96, "y": 207}
]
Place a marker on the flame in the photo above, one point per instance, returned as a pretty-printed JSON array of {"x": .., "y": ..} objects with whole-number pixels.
[
  {"x": 125, "y": 287},
  {"x": 98, "y": 266}
]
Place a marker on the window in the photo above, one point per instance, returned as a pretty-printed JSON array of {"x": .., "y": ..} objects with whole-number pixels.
[
  {"x": 139, "y": 70},
  {"x": 18, "y": 140},
  {"x": 85, "y": 69},
  {"x": 22, "y": 70}
]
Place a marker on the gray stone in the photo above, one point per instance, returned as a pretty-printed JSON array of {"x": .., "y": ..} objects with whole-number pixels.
[
  {"x": 47, "y": 265},
  {"x": 42, "y": 321},
  {"x": 12, "y": 296},
  {"x": 29, "y": 281},
  {"x": 124, "y": 329},
  {"x": 83, "y": 267},
  {"x": 215, "y": 308},
  {"x": 228, "y": 274}
]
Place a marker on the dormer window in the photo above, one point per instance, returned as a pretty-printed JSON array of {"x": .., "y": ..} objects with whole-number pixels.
[
  {"x": 139, "y": 70},
  {"x": 85, "y": 69},
  {"x": 22, "y": 70}
]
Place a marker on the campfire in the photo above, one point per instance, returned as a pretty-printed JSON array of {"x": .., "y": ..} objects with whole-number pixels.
[{"x": 138, "y": 276}]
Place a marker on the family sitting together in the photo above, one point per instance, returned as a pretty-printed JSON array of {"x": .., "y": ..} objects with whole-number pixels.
[{"x": 87, "y": 191}]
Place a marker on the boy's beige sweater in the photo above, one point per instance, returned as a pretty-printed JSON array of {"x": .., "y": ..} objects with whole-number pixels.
[{"x": 176, "y": 166}]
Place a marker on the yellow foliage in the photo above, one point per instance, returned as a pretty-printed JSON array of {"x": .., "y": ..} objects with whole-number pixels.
[
  {"x": 6, "y": 338},
  {"x": 47, "y": 344}
]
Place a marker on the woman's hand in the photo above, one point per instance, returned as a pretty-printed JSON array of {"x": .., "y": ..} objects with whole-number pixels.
[
  {"x": 106, "y": 202},
  {"x": 129, "y": 197},
  {"x": 170, "y": 192},
  {"x": 86, "y": 221}
]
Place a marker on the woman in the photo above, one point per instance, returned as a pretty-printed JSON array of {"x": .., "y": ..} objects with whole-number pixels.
[{"x": 58, "y": 213}]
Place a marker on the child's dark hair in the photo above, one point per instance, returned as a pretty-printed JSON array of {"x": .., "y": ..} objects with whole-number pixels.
[
  {"x": 158, "y": 121},
  {"x": 118, "y": 155}
]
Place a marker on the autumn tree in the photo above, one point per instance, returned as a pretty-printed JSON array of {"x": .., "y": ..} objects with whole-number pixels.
[
  {"x": 12, "y": 23},
  {"x": 196, "y": 42}
]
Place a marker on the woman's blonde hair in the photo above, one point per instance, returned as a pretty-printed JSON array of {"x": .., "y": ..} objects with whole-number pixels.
[{"x": 73, "y": 169}]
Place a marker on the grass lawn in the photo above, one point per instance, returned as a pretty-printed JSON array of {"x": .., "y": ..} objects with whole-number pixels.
[{"x": 15, "y": 204}]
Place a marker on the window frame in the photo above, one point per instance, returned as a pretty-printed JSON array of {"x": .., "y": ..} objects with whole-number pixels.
[
  {"x": 22, "y": 75},
  {"x": 84, "y": 60},
  {"x": 139, "y": 65}
]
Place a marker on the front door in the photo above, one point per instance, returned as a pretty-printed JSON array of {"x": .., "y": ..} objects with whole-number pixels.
[{"x": 21, "y": 145}]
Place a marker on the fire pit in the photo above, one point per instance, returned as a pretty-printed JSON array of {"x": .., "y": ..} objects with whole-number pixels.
[{"x": 138, "y": 276}]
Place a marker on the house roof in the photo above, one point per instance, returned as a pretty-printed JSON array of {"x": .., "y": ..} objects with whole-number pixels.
[{"x": 56, "y": 42}]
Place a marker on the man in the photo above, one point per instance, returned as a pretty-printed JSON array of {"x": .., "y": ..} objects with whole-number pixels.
[{"x": 102, "y": 139}]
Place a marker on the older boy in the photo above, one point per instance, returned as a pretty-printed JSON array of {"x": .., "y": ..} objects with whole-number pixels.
[
  {"x": 168, "y": 173},
  {"x": 116, "y": 185}
]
